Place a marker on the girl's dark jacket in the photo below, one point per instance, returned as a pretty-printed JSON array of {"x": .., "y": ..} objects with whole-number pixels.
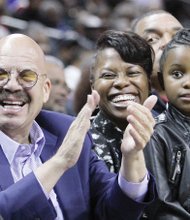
[{"x": 168, "y": 158}]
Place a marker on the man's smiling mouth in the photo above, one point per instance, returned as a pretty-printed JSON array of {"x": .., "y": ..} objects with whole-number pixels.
[
  {"x": 13, "y": 100},
  {"x": 12, "y": 104}
]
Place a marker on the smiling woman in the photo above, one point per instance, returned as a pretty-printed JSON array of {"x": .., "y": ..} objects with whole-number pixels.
[{"x": 120, "y": 73}]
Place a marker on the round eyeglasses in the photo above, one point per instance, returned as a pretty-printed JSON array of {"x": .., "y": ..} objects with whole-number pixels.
[{"x": 26, "y": 78}]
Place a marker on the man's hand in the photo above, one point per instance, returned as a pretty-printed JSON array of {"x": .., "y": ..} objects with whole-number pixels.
[
  {"x": 71, "y": 147},
  {"x": 67, "y": 155}
]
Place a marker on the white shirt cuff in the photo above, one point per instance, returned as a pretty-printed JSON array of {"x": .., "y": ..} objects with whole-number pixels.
[{"x": 136, "y": 191}]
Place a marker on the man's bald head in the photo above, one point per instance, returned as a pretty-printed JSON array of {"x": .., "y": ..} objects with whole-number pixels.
[
  {"x": 22, "y": 62},
  {"x": 20, "y": 45}
]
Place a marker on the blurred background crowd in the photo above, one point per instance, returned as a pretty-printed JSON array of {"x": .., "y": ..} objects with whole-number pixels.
[{"x": 67, "y": 31}]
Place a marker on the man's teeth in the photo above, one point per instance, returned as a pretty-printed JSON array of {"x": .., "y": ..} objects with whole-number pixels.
[
  {"x": 11, "y": 106},
  {"x": 121, "y": 98},
  {"x": 12, "y": 103}
]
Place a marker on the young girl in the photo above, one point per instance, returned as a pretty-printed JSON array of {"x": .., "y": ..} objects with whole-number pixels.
[{"x": 168, "y": 152}]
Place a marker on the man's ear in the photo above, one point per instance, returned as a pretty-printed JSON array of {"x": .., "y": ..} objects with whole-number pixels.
[
  {"x": 47, "y": 89},
  {"x": 160, "y": 79}
]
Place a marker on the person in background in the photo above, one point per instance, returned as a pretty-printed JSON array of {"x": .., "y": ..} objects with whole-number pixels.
[
  {"x": 157, "y": 27},
  {"x": 59, "y": 89},
  {"x": 120, "y": 73},
  {"x": 83, "y": 88},
  {"x": 48, "y": 168},
  {"x": 31, "y": 12},
  {"x": 168, "y": 154}
]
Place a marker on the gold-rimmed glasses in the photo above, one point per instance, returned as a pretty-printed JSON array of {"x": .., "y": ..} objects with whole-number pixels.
[{"x": 26, "y": 78}]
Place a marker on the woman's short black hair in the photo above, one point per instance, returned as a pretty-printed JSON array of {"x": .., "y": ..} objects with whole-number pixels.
[{"x": 131, "y": 47}]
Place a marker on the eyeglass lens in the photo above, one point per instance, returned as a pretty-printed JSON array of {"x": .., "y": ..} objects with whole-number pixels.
[{"x": 26, "y": 78}]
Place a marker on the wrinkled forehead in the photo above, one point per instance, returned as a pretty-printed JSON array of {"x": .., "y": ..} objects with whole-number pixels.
[
  {"x": 158, "y": 21},
  {"x": 21, "y": 52}
]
